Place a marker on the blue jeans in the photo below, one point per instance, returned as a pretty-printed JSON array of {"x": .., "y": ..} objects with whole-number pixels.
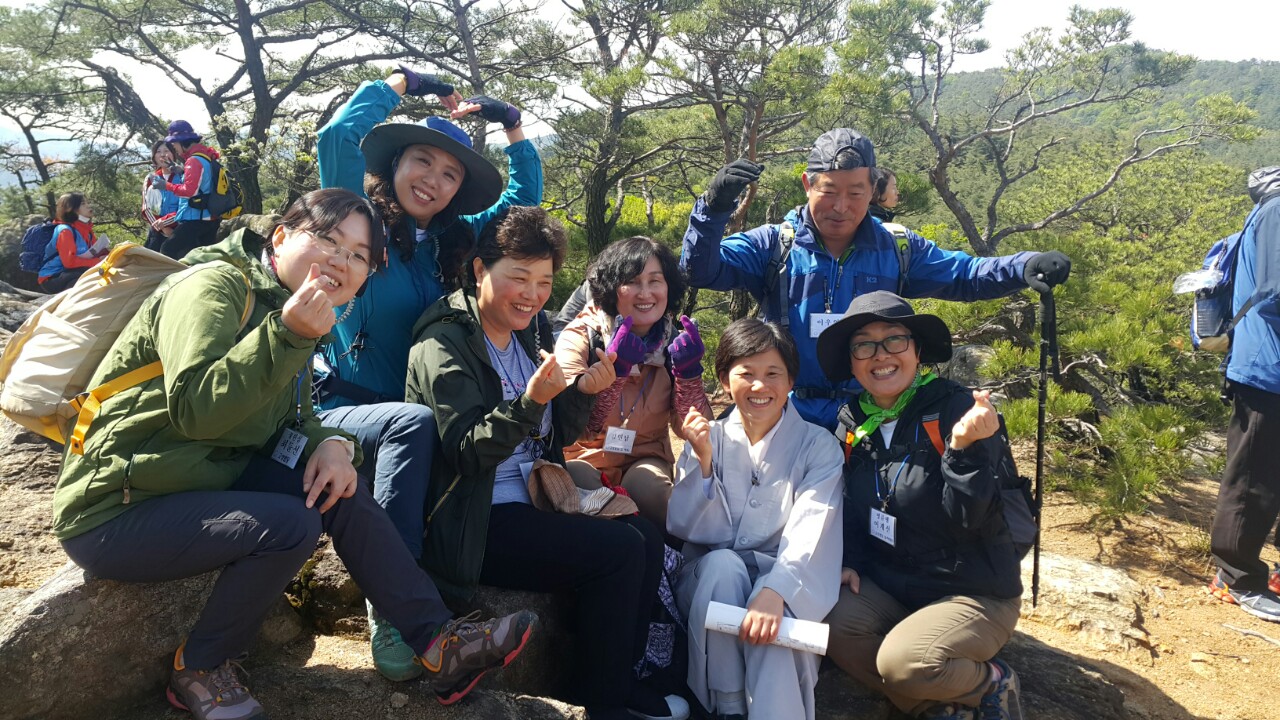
[{"x": 399, "y": 442}]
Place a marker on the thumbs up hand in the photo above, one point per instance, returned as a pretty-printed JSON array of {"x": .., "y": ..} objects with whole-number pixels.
[{"x": 981, "y": 422}]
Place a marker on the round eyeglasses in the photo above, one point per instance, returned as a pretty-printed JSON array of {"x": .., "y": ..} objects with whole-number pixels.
[{"x": 329, "y": 246}]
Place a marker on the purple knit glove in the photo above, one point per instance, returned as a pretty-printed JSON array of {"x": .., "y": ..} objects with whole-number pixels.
[
  {"x": 629, "y": 347},
  {"x": 419, "y": 84},
  {"x": 686, "y": 351},
  {"x": 497, "y": 111}
]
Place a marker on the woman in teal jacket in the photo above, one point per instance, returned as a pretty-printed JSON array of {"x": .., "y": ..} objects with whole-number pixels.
[{"x": 435, "y": 194}]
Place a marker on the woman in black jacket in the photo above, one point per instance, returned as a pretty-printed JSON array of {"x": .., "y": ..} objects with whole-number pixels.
[{"x": 931, "y": 587}]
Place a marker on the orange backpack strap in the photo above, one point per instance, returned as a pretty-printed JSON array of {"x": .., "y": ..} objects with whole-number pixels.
[{"x": 930, "y": 423}]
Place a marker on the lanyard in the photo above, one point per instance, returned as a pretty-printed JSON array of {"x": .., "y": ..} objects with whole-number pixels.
[
  {"x": 298, "y": 399},
  {"x": 884, "y": 498},
  {"x": 830, "y": 289},
  {"x": 639, "y": 396}
]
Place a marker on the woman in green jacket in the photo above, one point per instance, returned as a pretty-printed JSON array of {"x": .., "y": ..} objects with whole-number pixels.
[
  {"x": 221, "y": 463},
  {"x": 482, "y": 361}
]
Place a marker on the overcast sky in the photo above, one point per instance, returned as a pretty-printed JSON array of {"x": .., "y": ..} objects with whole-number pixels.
[{"x": 1221, "y": 30}]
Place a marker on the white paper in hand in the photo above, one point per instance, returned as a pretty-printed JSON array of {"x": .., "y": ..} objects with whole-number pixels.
[{"x": 795, "y": 634}]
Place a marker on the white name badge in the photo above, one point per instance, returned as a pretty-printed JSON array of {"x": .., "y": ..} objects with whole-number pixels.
[
  {"x": 619, "y": 440},
  {"x": 884, "y": 527},
  {"x": 821, "y": 321},
  {"x": 290, "y": 448}
]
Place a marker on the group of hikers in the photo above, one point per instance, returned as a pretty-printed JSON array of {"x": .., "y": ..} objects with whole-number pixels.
[{"x": 380, "y": 368}]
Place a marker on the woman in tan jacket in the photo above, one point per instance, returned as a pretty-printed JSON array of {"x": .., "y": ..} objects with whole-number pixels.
[{"x": 636, "y": 289}]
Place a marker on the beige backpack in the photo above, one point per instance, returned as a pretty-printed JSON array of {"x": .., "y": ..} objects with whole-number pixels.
[{"x": 50, "y": 359}]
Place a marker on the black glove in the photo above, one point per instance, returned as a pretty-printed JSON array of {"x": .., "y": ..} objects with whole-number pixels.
[
  {"x": 722, "y": 194},
  {"x": 1046, "y": 269},
  {"x": 424, "y": 84},
  {"x": 497, "y": 111}
]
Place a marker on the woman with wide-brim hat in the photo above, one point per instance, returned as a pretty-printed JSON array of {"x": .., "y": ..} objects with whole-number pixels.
[
  {"x": 931, "y": 586},
  {"x": 435, "y": 193}
]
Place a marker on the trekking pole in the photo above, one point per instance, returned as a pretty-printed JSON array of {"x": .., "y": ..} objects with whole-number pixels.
[{"x": 1048, "y": 348}]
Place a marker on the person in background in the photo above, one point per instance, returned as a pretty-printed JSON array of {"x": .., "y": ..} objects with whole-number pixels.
[
  {"x": 482, "y": 361},
  {"x": 836, "y": 253},
  {"x": 219, "y": 463},
  {"x": 884, "y": 198},
  {"x": 160, "y": 206},
  {"x": 627, "y": 440},
  {"x": 931, "y": 585},
  {"x": 195, "y": 227},
  {"x": 1249, "y": 497},
  {"x": 75, "y": 247},
  {"x": 434, "y": 193},
  {"x": 757, "y": 501}
]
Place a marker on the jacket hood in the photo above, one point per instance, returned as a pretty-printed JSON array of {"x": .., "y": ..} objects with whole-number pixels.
[
  {"x": 242, "y": 249},
  {"x": 458, "y": 305},
  {"x": 1263, "y": 182},
  {"x": 203, "y": 150}
]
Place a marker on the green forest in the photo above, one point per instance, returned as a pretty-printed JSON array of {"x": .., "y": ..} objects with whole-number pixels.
[{"x": 1130, "y": 159}]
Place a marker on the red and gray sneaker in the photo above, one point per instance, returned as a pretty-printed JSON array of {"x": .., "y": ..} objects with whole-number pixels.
[
  {"x": 1262, "y": 604},
  {"x": 215, "y": 694},
  {"x": 1273, "y": 581},
  {"x": 464, "y": 650}
]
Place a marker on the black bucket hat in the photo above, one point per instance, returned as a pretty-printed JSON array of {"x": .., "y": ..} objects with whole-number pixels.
[
  {"x": 929, "y": 331},
  {"x": 480, "y": 189}
]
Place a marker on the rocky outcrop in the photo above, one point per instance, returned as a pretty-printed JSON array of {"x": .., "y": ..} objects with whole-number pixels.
[
  {"x": 1100, "y": 604},
  {"x": 79, "y": 648}
]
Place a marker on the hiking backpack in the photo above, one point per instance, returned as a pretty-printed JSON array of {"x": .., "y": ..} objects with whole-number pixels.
[
  {"x": 46, "y": 367},
  {"x": 775, "y": 286},
  {"x": 38, "y": 246},
  {"x": 1015, "y": 489},
  {"x": 225, "y": 198}
]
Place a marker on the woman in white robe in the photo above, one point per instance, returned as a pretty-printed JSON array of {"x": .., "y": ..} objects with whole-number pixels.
[{"x": 758, "y": 501}]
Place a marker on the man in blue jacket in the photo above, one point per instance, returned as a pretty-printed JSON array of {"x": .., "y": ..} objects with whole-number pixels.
[
  {"x": 807, "y": 270},
  {"x": 1249, "y": 498}
]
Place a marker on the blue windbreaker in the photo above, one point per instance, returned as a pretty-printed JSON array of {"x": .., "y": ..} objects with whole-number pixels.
[
  {"x": 818, "y": 282},
  {"x": 396, "y": 295},
  {"x": 1255, "y": 341}
]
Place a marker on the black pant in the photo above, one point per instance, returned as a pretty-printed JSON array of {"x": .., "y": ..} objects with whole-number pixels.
[
  {"x": 611, "y": 566},
  {"x": 188, "y": 236},
  {"x": 1249, "y": 499},
  {"x": 260, "y": 533},
  {"x": 61, "y": 281},
  {"x": 155, "y": 240}
]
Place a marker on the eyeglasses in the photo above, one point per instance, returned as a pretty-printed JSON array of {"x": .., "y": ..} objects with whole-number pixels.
[
  {"x": 329, "y": 246},
  {"x": 866, "y": 349}
]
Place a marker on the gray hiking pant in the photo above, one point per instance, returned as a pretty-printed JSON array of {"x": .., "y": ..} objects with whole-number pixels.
[{"x": 260, "y": 533}]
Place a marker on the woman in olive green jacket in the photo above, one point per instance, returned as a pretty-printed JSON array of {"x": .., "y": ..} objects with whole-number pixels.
[
  {"x": 482, "y": 360},
  {"x": 220, "y": 462}
]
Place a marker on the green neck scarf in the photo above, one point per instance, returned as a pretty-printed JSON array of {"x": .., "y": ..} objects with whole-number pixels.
[{"x": 877, "y": 416}]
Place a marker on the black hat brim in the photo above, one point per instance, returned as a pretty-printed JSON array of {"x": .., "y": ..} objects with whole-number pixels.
[
  {"x": 931, "y": 334},
  {"x": 480, "y": 189}
]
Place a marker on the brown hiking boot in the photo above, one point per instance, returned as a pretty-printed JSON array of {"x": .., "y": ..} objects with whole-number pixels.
[
  {"x": 465, "y": 650},
  {"x": 215, "y": 694}
]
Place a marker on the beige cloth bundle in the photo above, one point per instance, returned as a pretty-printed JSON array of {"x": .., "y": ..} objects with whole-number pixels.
[{"x": 552, "y": 489}]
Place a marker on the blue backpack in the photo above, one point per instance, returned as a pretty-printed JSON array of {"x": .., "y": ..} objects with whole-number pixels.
[{"x": 38, "y": 246}]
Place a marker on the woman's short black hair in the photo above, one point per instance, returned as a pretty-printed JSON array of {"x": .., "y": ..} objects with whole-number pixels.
[
  {"x": 320, "y": 211},
  {"x": 882, "y": 176},
  {"x": 518, "y": 232},
  {"x": 68, "y": 207},
  {"x": 752, "y": 336},
  {"x": 623, "y": 260}
]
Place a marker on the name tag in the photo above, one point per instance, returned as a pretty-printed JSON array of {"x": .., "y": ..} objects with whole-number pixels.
[
  {"x": 884, "y": 527},
  {"x": 290, "y": 448},
  {"x": 619, "y": 440},
  {"x": 821, "y": 321}
]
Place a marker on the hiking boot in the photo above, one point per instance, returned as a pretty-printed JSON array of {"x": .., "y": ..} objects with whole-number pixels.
[
  {"x": 1264, "y": 604},
  {"x": 465, "y": 650},
  {"x": 949, "y": 711},
  {"x": 1002, "y": 701},
  {"x": 211, "y": 694},
  {"x": 391, "y": 655}
]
